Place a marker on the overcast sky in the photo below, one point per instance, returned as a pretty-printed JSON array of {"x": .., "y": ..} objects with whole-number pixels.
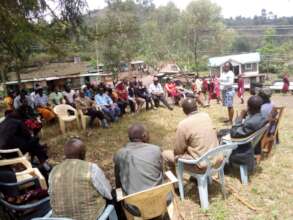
[{"x": 230, "y": 8}]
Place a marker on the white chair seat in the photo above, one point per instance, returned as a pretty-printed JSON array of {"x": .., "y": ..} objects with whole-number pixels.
[{"x": 68, "y": 117}]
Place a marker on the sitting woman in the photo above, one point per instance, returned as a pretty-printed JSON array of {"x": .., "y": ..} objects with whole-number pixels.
[
  {"x": 15, "y": 134},
  {"x": 267, "y": 106},
  {"x": 172, "y": 91},
  {"x": 42, "y": 106},
  {"x": 87, "y": 106}
]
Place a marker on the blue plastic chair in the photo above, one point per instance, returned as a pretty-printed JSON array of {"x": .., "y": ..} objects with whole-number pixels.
[
  {"x": 204, "y": 178},
  {"x": 109, "y": 213},
  {"x": 253, "y": 139}
]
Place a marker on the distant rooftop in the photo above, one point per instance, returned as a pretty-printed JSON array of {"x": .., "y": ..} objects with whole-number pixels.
[
  {"x": 49, "y": 72},
  {"x": 239, "y": 58}
]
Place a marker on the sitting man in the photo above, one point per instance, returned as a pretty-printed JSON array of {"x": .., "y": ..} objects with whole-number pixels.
[
  {"x": 248, "y": 122},
  {"x": 22, "y": 98},
  {"x": 69, "y": 96},
  {"x": 157, "y": 93},
  {"x": 88, "y": 107},
  {"x": 106, "y": 103},
  {"x": 78, "y": 189},
  {"x": 123, "y": 101},
  {"x": 42, "y": 105},
  {"x": 138, "y": 165},
  {"x": 195, "y": 135},
  {"x": 55, "y": 97},
  {"x": 142, "y": 92}
]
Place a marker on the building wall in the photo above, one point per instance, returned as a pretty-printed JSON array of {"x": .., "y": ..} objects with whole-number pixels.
[{"x": 249, "y": 69}]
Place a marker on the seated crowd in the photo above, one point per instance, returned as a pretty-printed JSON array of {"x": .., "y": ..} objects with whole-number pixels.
[{"x": 79, "y": 189}]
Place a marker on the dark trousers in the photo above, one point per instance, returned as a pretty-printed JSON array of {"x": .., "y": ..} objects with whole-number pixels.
[
  {"x": 93, "y": 114},
  {"x": 158, "y": 98},
  {"x": 31, "y": 146},
  {"x": 148, "y": 101},
  {"x": 122, "y": 104}
]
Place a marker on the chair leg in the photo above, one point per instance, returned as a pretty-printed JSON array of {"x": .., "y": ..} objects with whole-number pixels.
[
  {"x": 78, "y": 123},
  {"x": 222, "y": 181},
  {"x": 244, "y": 174},
  {"x": 203, "y": 192},
  {"x": 179, "y": 171},
  {"x": 113, "y": 215},
  {"x": 83, "y": 122},
  {"x": 62, "y": 126},
  {"x": 210, "y": 179}
]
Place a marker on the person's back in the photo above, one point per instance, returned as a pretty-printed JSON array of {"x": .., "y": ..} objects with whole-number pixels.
[
  {"x": 197, "y": 134},
  {"x": 139, "y": 165},
  {"x": 77, "y": 188},
  {"x": 11, "y": 129},
  {"x": 72, "y": 193},
  {"x": 247, "y": 123},
  {"x": 247, "y": 126}
]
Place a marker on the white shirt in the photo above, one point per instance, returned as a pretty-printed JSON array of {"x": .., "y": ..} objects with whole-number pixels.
[
  {"x": 156, "y": 88},
  {"x": 198, "y": 83},
  {"x": 226, "y": 80},
  {"x": 69, "y": 96}
]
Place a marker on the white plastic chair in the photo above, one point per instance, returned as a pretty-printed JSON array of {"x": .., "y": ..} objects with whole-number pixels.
[
  {"x": 109, "y": 213},
  {"x": 28, "y": 172},
  {"x": 62, "y": 111},
  {"x": 204, "y": 178},
  {"x": 84, "y": 118},
  {"x": 253, "y": 139}
]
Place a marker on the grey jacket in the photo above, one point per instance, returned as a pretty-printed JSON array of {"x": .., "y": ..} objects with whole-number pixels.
[
  {"x": 138, "y": 166},
  {"x": 250, "y": 124}
]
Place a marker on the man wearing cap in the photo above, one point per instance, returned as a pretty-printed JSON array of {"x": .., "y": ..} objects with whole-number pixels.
[{"x": 157, "y": 93}]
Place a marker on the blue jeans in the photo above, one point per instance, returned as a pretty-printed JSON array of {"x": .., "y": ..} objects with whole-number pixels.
[{"x": 112, "y": 112}]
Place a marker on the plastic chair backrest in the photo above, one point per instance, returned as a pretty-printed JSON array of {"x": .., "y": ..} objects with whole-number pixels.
[
  {"x": 152, "y": 202},
  {"x": 51, "y": 218},
  {"x": 18, "y": 188},
  {"x": 9, "y": 152},
  {"x": 274, "y": 125},
  {"x": 207, "y": 158},
  {"x": 62, "y": 110},
  {"x": 254, "y": 138}
]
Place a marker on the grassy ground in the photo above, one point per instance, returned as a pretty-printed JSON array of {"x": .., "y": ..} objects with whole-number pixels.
[{"x": 270, "y": 188}]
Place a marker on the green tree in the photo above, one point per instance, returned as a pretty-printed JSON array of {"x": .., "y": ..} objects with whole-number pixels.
[
  {"x": 204, "y": 30},
  {"x": 24, "y": 27},
  {"x": 118, "y": 33}
]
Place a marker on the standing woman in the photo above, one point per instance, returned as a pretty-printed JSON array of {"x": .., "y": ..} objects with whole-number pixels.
[
  {"x": 286, "y": 84},
  {"x": 226, "y": 85},
  {"x": 240, "y": 89}
]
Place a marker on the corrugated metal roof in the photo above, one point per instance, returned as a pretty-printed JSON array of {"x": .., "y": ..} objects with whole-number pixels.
[
  {"x": 50, "y": 70},
  {"x": 239, "y": 58}
]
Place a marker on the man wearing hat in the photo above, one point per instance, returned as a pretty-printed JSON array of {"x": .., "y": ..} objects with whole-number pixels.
[{"x": 157, "y": 93}]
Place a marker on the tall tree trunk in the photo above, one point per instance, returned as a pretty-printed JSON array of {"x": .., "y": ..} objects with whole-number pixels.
[
  {"x": 195, "y": 54},
  {"x": 3, "y": 79}
]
